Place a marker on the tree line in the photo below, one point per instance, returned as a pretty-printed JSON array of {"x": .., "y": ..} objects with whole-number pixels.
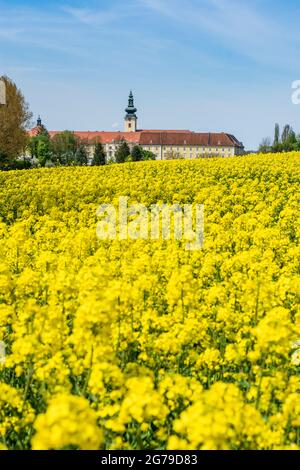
[
  {"x": 66, "y": 149},
  {"x": 285, "y": 141},
  {"x": 19, "y": 151},
  {"x": 15, "y": 118}
]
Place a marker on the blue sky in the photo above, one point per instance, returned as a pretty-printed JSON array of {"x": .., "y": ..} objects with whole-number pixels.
[{"x": 204, "y": 65}]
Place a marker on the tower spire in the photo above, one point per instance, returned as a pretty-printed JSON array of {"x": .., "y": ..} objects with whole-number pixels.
[
  {"x": 131, "y": 110},
  {"x": 39, "y": 121},
  {"x": 131, "y": 117}
]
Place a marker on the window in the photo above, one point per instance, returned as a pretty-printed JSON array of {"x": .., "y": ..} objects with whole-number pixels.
[{"x": 129, "y": 124}]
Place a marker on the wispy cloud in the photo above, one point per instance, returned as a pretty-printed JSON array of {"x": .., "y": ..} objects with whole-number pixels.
[
  {"x": 189, "y": 54},
  {"x": 29, "y": 27},
  {"x": 241, "y": 26},
  {"x": 103, "y": 16},
  {"x": 87, "y": 16}
]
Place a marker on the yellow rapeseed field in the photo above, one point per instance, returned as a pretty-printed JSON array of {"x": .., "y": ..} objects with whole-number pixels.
[{"x": 143, "y": 344}]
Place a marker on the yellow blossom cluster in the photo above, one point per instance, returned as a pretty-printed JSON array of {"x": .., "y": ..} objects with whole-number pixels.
[{"x": 142, "y": 344}]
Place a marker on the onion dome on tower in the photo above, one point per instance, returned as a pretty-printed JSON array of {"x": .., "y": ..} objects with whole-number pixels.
[{"x": 131, "y": 117}]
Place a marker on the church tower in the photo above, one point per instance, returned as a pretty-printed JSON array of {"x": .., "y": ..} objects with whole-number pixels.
[{"x": 131, "y": 117}]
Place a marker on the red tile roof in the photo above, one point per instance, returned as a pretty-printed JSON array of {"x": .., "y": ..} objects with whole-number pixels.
[
  {"x": 169, "y": 131},
  {"x": 36, "y": 130},
  {"x": 155, "y": 137},
  {"x": 188, "y": 138},
  {"x": 104, "y": 137}
]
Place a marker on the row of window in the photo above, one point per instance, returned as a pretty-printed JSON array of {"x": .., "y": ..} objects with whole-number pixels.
[
  {"x": 192, "y": 155},
  {"x": 112, "y": 147},
  {"x": 178, "y": 149},
  {"x": 186, "y": 149}
]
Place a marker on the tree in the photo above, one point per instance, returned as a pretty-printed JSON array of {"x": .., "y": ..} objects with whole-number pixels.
[
  {"x": 4, "y": 161},
  {"x": 276, "y": 134},
  {"x": 39, "y": 147},
  {"x": 292, "y": 139},
  {"x": 172, "y": 155},
  {"x": 289, "y": 141},
  {"x": 265, "y": 146},
  {"x": 15, "y": 119},
  {"x": 297, "y": 144},
  {"x": 147, "y": 155},
  {"x": 43, "y": 151},
  {"x": 285, "y": 133},
  {"x": 137, "y": 153},
  {"x": 81, "y": 156},
  {"x": 32, "y": 145},
  {"x": 99, "y": 157},
  {"x": 122, "y": 152},
  {"x": 64, "y": 147}
]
